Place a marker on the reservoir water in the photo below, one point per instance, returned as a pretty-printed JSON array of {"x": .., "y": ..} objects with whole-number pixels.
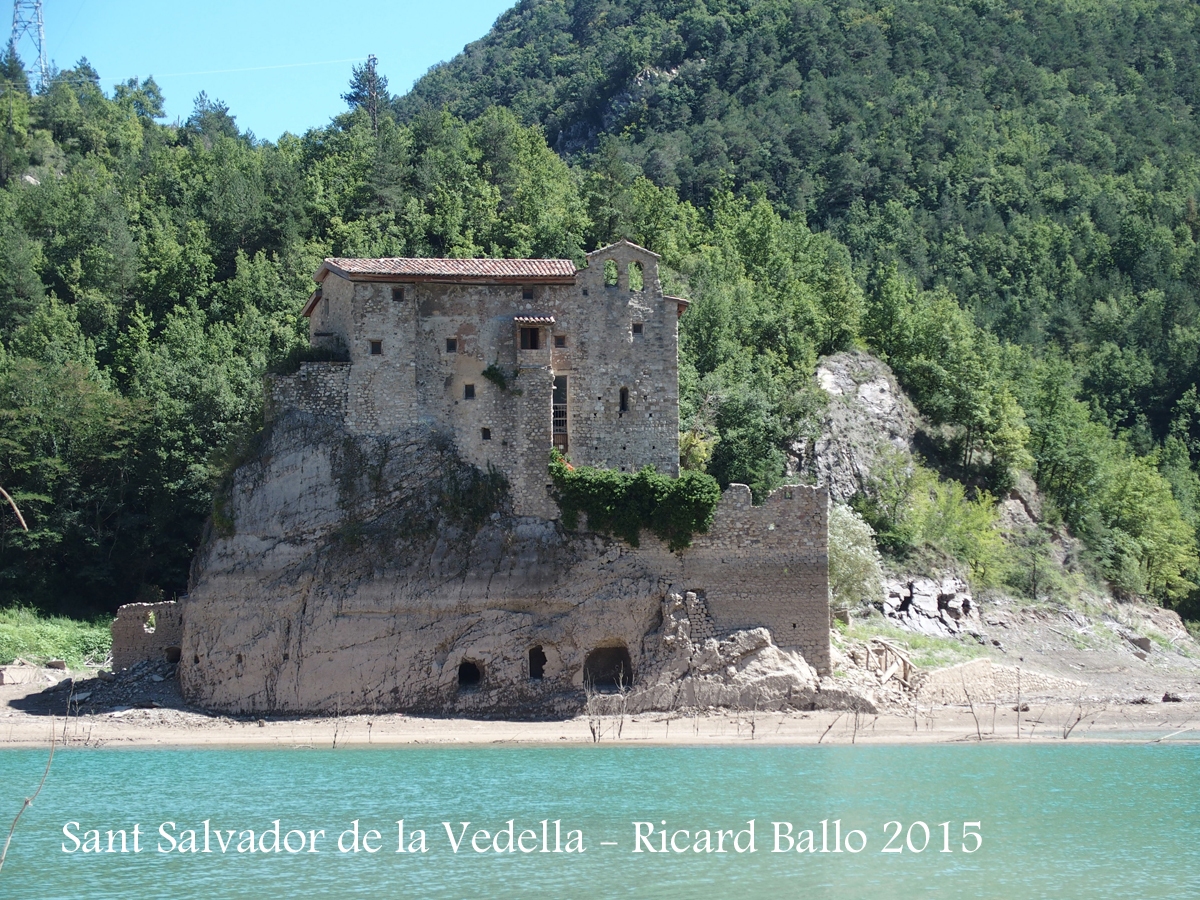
[{"x": 1064, "y": 821}]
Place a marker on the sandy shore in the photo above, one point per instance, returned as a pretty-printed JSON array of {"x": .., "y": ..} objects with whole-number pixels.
[{"x": 1042, "y": 722}]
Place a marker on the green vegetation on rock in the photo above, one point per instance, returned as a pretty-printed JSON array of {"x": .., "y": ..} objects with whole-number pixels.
[{"x": 623, "y": 503}]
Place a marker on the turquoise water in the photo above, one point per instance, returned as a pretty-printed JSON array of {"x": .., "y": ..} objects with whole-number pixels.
[{"x": 1067, "y": 821}]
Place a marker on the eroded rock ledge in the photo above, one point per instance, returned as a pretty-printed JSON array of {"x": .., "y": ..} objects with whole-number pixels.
[{"x": 359, "y": 573}]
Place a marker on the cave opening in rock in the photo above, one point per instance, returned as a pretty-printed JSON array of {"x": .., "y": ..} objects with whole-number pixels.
[
  {"x": 470, "y": 674},
  {"x": 608, "y": 669},
  {"x": 537, "y": 663}
]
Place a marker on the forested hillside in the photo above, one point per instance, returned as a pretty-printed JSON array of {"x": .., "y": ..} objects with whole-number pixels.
[{"x": 1000, "y": 200}]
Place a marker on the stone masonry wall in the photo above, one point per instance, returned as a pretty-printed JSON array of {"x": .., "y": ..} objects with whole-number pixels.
[
  {"x": 768, "y": 566},
  {"x": 614, "y": 338},
  {"x": 135, "y": 640},
  {"x": 319, "y": 388}
]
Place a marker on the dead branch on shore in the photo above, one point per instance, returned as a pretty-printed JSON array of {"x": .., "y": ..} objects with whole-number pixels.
[
  {"x": 831, "y": 724},
  {"x": 971, "y": 704}
]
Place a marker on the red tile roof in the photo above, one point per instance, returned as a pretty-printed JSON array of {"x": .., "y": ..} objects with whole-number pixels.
[{"x": 481, "y": 270}]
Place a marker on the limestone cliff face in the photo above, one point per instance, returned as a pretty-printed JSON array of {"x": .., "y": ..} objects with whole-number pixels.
[{"x": 364, "y": 573}]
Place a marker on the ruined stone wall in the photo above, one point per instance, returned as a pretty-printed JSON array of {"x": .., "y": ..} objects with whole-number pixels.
[
  {"x": 319, "y": 388},
  {"x": 610, "y": 356},
  {"x": 134, "y": 639},
  {"x": 768, "y": 566}
]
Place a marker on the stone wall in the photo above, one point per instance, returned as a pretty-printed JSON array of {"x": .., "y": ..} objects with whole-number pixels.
[
  {"x": 614, "y": 339},
  {"x": 134, "y": 639},
  {"x": 768, "y": 566},
  {"x": 319, "y": 388}
]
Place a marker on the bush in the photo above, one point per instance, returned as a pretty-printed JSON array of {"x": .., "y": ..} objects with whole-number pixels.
[
  {"x": 26, "y": 634},
  {"x": 290, "y": 364},
  {"x": 855, "y": 572},
  {"x": 621, "y": 503}
]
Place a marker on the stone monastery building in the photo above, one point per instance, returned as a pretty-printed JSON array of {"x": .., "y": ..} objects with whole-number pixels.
[
  {"x": 338, "y": 576},
  {"x": 511, "y": 356}
]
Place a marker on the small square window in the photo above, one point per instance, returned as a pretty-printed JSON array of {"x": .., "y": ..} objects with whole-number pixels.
[
  {"x": 530, "y": 339},
  {"x": 451, "y": 345},
  {"x": 637, "y": 327},
  {"x": 377, "y": 348},
  {"x": 526, "y": 293},
  {"x": 468, "y": 392},
  {"x": 485, "y": 433},
  {"x": 397, "y": 293},
  {"x": 560, "y": 340}
]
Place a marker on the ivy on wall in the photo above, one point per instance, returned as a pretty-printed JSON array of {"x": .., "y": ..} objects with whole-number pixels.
[{"x": 623, "y": 503}]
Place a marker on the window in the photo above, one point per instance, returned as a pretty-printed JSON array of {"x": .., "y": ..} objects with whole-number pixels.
[
  {"x": 485, "y": 434},
  {"x": 470, "y": 673},
  {"x": 537, "y": 663},
  {"x": 468, "y": 392},
  {"x": 636, "y": 276},
  {"x": 397, "y": 293},
  {"x": 451, "y": 345},
  {"x": 560, "y": 341},
  {"x": 638, "y": 328},
  {"x": 610, "y": 273},
  {"x": 530, "y": 339},
  {"x": 624, "y": 399},
  {"x": 377, "y": 348},
  {"x": 526, "y": 293},
  {"x": 325, "y": 307}
]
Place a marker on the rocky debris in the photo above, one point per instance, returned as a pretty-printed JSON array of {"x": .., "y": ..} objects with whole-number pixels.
[
  {"x": 867, "y": 415},
  {"x": 146, "y": 685},
  {"x": 22, "y": 672},
  {"x": 56, "y": 664},
  {"x": 1139, "y": 641},
  {"x": 935, "y": 606},
  {"x": 745, "y": 669},
  {"x": 1169, "y": 697}
]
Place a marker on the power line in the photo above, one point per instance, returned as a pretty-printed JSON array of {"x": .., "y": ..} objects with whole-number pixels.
[{"x": 27, "y": 20}]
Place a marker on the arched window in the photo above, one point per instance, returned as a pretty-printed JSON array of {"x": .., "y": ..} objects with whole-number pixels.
[
  {"x": 636, "y": 280},
  {"x": 624, "y": 399},
  {"x": 470, "y": 674},
  {"x": 610, "y": 273},
  {"x": 608, "y": 668}
]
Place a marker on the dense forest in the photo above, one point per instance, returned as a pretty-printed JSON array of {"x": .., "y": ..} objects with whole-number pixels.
[{"x": 999, "y": 199}]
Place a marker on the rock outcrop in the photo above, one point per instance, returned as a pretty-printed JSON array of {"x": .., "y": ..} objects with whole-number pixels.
[
  {"x": 357, "y": 573},
  {"x": 868, "y": 416},
  {"x": 936, "y": 606}
]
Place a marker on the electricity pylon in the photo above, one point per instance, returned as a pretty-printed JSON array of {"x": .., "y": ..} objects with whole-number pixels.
[{"x": 27, "y": 20}]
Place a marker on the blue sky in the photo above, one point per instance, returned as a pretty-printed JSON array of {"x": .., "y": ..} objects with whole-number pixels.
[{"x": 309, "y": 46}]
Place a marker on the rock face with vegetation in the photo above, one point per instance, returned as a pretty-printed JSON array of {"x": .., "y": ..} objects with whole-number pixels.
[
  {"x": 352, "y": 573},
  {"x": 998, "y": 201}
]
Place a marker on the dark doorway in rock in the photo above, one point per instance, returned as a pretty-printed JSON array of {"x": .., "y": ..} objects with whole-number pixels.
[
  {"x": 608, "y": 669},
  {"x": 469, "y": 675},
  {"x": 537, "y": 663}
]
